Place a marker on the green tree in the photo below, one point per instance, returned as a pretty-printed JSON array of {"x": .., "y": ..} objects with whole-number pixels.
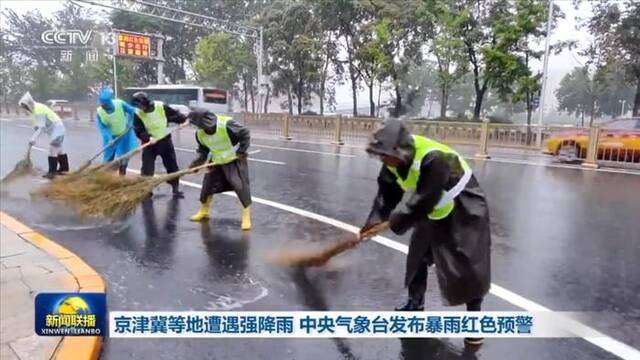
[
  {"x": 293, "y": 38},
  {"x": 373, "y": 63},
  {"x": 445, "y": 18},
  {"x": 578, "y": 93},
  {"x": 101, "y": 73},
  {"x": 223, "y": 60},
  {"x": 345, "y": 18},
  {"x": 616, "y": 31},
  {"x": 493, "y": 34}
]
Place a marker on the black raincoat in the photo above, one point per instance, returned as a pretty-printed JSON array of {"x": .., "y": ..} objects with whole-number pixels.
[
  {"x": 458, "y": 245},
  {"x": 232, "y": 176}
]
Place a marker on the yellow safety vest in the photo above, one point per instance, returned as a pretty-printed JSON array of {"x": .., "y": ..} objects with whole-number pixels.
[
  {"x": 116, "y": 121},
  {"x": 423, "y": 146},
  {"x": 41, "y": 109},
  {"x": 219, "y": 144},
  {"x": 156, "y": 121}
]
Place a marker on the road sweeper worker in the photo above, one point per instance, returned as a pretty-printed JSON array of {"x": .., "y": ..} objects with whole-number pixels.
[
  {"x": 47, "y": 121},
  {"x": 447, "y": 210},
  {"x": 150, "y": 124},
  {"x": 224, "y": 142},
  {"x": 114, "y": 119}
]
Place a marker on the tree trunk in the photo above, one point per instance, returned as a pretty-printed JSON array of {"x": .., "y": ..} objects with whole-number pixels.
[
  {"x": 299, "y": 94},
  {"x": 582, "y": 119},
  {"x": 379, "y": 93},
  {"x": 246, "y": 95},
  {"x": 323, "y": 81},
  {"x": 353, "y": 75},
  {"x": 478, "y": 105},
  {"x": 266, "y": 99},
  {"x": 354, "y": 91},
  {"x": 290, "y": 99},
  {"x": 398, "y": 107},
  {"x": 322, "y": 98},
  {"x": 636, "y": 100},
  {"x": 372, "y": 105},
  {"x": 444, "y": 101},
  {"x": 253, "y": 101},
  {"x": 528, "y": 104}
]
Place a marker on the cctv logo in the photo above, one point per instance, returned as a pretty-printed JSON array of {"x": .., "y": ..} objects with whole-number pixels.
[{"x": 66, "y": 37}]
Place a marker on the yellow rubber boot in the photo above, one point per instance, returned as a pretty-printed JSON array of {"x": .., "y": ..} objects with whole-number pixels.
[
  {"x": 203, "y": 212},
  {"x": 246, "y": 219}
]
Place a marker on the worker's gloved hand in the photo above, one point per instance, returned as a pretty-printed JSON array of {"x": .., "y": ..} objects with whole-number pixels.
[
  {"x": 400, "y": 222},
  {"x": 152, "y": 140},
  {"x": 242, "y": 155},
  {"x": 196, "y": 162},
  {"x": 32, "y": 142},
  {"x": 366, "y": 228}
]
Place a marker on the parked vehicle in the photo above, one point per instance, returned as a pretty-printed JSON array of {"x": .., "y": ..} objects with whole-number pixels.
[{"x": 619, "y": 141}]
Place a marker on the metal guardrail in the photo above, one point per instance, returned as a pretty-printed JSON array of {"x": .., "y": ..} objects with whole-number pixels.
[
  {"x": 618, "y": 148},
  {"x": 568, "y": 143},
  {"x": 591, "y": 147}
]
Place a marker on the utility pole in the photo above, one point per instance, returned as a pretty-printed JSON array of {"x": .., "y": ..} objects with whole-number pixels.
[
  {"x": 115, "y": 72},
  {"x": 160, "y": 59},
  {"x": 544, "y": 75}
]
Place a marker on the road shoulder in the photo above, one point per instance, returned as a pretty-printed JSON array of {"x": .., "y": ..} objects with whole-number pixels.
[{"x": 30, "y": 264}]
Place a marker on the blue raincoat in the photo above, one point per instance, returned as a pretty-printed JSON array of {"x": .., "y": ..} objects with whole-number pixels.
[{"x": 128, "y": 141}]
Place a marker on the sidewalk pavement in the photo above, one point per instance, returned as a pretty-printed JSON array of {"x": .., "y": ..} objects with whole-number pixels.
[{"x": 30, "y": 264}]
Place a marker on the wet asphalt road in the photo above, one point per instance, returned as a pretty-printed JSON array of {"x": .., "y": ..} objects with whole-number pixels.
[{"x": 564, "y": 238}]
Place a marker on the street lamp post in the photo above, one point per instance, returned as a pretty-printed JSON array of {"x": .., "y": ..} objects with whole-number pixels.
[{"x": 544, "y": 75}]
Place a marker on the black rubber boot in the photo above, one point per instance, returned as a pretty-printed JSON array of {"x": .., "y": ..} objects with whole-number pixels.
[
  {"x": 122, "y": 170},
  {"x": 63, "y": 162},
  {"x": 411, "y": 305},
  {"x": 176, "y": 190},
  {"x": 53, "y": 165},
  {"x": 177, "y": 193}
]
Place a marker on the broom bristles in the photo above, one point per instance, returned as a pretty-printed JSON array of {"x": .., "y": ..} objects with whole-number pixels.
[
  {"x": 22, "y": 168},
  {"x": 320, "y": 257},
  {"x": 102, "y": 193}
]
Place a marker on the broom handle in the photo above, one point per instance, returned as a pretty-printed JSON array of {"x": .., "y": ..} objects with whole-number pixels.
[
  {"x": 133, "y": 152},
  {"x": 180, "y": 173},
  {"x": 113, "y": 141}
]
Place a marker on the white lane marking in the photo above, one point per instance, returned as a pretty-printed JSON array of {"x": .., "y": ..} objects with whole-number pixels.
[
  {"x": 492, "y": 159},
  {"x": 597, "y": 338},
  {"x": 303, "y": 150},
  {"x": 307, "y": 142},
  {"x": 25, "y": 126},
  {"x": 250, "y": 159},
  {"x": 267, "y": 161}
]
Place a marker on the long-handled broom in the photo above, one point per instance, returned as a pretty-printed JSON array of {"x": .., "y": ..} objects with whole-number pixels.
[
  {"x": 320, "y": 257},
  {"x": 81, "y": 170},
  {"x": 22, "y": 168},
  {"x": 111, "y": 196}
]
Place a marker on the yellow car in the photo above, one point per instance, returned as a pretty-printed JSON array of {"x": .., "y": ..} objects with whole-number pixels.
[{"x": 619, "y": 141}]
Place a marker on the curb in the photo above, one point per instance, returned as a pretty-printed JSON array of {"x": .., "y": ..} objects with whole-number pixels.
[{"x": 88, "y": 280}]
